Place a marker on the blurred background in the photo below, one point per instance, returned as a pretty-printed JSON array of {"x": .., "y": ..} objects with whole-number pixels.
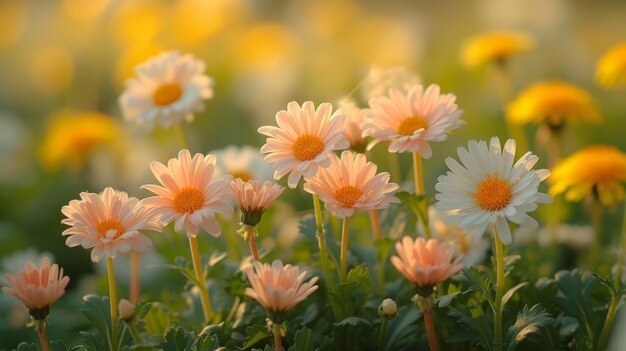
[{"x": 63, "y": 65}]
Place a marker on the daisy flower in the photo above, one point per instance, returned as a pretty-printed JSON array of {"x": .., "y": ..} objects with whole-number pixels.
[
  {"x": 242, "y": 162},
  {"x": 190, "y": 195},
  {"x": 553, "y": 103},
  {"x": 108, "y": 223},
  {"x": 611, "y": 70},
  {"x": 354, "y": 130},
  {"x": 488, "y": 189},
  {"x": 303, "y": 140},
  {"x": 254, "y": 197},
  {"x": 412, "y": 120},
  {"x": 167, "y": 89},
  {"x": 496, "y": 46},
  {"x": 597, "y": 169},
  {"x": 351, "y": 184}
]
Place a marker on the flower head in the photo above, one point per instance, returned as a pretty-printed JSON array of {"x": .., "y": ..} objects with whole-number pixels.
[
  {"x": 278, "y": 288},
  {"x": 488, "y": 189},
  {"x": 38, "y": 287},
  {"x": 243, "y": 162},
  {"x": 108, "y": 223},
  {"x": 388, "y": 309},
  {"x": 303, "y": 139},
  {"x": 494, "y": 46},
  {"x": 611, "y": 70},
  {"x": 351, "y": 184},
  {"x": 553, "y": 103},
  {"x": 597, "y": 169},
  {"x": 254, "y": 197},
  {"x": 354, "y": 130},
  {"x": 410, "y": 121},
  {"x": 167, "y": 89},
  {"x": 190, "y": 195},
  {"x": 425, "y": 263}
]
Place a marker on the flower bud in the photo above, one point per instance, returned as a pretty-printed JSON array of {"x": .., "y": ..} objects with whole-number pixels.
[
  {"x": 126, "y": 310},
  {"x": 388, "y": 309}
]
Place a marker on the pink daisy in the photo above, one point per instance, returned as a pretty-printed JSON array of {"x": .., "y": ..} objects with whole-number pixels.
[
  {"x": 190, "y": 195},
  {"x": 254, "y": 197},
  {"x": 351, "y": 184},
  {"x": 410, "y": 121},
  {"x": 304, "y": 137},
  {"x": 108, "y": 223}
]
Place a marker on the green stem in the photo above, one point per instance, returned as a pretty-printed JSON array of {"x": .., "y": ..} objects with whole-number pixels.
[
  {"x": 383, "y": 335},
  {"x": 135, "y": 334},
  {"x": 380, "y": 269},
  {"x": 181, "y": 136},
  {"x": 197, "y": 267},
  {"x": 112, "y": 299},
  {"x": 497, "y": 320},
  {"x": 344, "y": 250},
  {"x": 420, "y": 190},
  {"x": 596, "y": 219},
  {"x": 321, "y": 240},
  {"x": 608, "y": 322}
]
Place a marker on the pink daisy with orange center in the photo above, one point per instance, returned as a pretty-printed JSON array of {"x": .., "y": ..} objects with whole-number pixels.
[
  {"x": 411, "y": 121},
  {"x": 254, "y": 197},
  {"x": 108, "y": 223},
  {"x": 303, "y": 139},
  {"x": 351, "y": 184},
  {"x": 191, "y": 195}
]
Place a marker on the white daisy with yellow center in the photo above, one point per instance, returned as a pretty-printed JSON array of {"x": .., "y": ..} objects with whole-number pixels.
[
  {"x": 166, "y": 90},
  {"x": 488, "y": 189}
]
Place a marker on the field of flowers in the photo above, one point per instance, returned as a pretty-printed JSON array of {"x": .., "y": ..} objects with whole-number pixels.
[{"x": 312, "y": 175}]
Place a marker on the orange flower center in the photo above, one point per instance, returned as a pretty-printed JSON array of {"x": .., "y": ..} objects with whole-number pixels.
[
  {"x": 108, "y": 224},
  {"x": 307, "y": 147},
  {"x": 348, "y": 195},
  {"x": 242, "y": 174},
  {"x": 409, "y": 125},
  {"x": 493, "y": 193},
  {"x": 188, "y": 200},
  {"x": 166, "y": 94}
]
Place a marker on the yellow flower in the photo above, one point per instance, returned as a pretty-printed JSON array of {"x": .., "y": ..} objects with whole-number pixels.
[
  {"x": 611, "y": 70},
  {"x": 71, "y": 136},
  {"x": 553, "y": 103},
  {"x": 494, "y": 46},
  {"x": 598, "y": 169}
]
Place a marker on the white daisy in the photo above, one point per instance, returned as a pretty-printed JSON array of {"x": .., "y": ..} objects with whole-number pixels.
[
  {"x": 489, "y": 190},
  {"x": 243, "y": 162},
  {"x": 167, "y": 89}
]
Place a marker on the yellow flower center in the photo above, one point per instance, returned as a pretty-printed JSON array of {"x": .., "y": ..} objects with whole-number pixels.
[
  {"x": 166, "y": 94},
  {"x": 493, "y": 193},
  {"x": 188, "y": 200},
  {"x": 409, "y": 125},
  {"x": 307, "y": 147},
  {"x": 108, "y": 224},
  {"x": 348, "y": 195},
  {"x": 241, "y": 174}
]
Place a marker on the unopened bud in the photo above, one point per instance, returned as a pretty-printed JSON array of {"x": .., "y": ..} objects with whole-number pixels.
[
  {"x": 126, "y": 310},
  {"x": 388, "y": 309}
]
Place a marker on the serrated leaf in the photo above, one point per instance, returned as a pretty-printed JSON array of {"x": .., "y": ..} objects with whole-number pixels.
[
  {"x": 446, "y": 300},
  {"x": 178, "y": 339},
  {"x": 157, "y": 319},
  {"x": 576, "y": 302},
  {"x": 401, "y": 327},
  {"x": 58, "y": 345},
  {"x": 507, "y": 296},
  {"x": 97, "y": 310},
  {"x": 477, "y": 334},
  {"x": 207, "y": 343},
  {"x": 529, "y": 323},
  {"x": 303, "y": 340},
  {"x": 23, "y": 346},
  {"x": 354, "y": 321},
  {"x": 254, "y": 334}
]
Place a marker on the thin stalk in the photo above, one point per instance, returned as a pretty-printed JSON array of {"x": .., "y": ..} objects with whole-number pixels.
[
  {"x": 134, "y": 333},
  {"x": 430, "y": 329},
  {"x": 394, "y": 167},
  {"x": 497, "y": 320},
  {"x": 43, "y": 338},
  {"x": 181, "y": 136},
  {"x": 383, "y": 335},
  {"x": 252, "y": 242},
  {"x": 112, "y": 299},
  {"x": 608, "y": 322},
  {"x": 597, "y": 211},
  {"x": 321, "y": 240},
  {"x": 554, "y": 148},
  {"x": 344, "y": 250},
  {"x": 197, "y": 267},
  {"x": 380, "y": 269},
  {"x": 135, "y": 281},
  {"x": 375, "y": 222},
  {"x": 278, "y": 345},
  {"x": 418, "y": 173}
]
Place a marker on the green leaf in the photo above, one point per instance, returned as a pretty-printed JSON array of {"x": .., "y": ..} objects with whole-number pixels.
[
  {"x": 23, "y": 346},
  {"x": 529, "y": 324},
  {"x": 353, "y": 321},
  {"x": 97, "y": 310},
  {"x": 254, "y": 334},
  {"x": 178, "y": 339},
  {"x": 157, "y": 319},
  {"x": 207, "y": 343},
  {"x": 477, "y": 334},
  {"x": 507, "y": 296},
  {"x": 58, "y": 345},
  {"x": 418, "y": 204},
  {"x": 576, "y": 288},
  {"x": 303, "y": 341},
  {"x": 402, "y": 327}
]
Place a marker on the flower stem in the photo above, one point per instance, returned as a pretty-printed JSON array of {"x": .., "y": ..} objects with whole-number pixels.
[
  {"x": 418, "y": 173},
  {"x": 375, "y": 221},
  {"x": 322, "y": 241},
  {"x": 497, "y": 319},
  {"x": 135, "y": 281},
  {"x": 43, "y": 338},
  {"x": 394, "y": 167},
  {"x": 383, "y": 335},
  {"x": 596, "y": 220},
  {"x": 344, "y": 250},
  {"x": 134, "y": 333},
  {"x": 608, "y": 322},
  {"x": 430, "y": 329},
  {"x": 112, "y": 299},
  {"x": 252, "y": 242},
  {"x": 277, "y": 338},
  {"x": 197, "y": 267},
  {"x": 181, "y": 136}
]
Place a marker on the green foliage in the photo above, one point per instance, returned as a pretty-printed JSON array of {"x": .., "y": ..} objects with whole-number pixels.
[{"x": 529, "y": 326}]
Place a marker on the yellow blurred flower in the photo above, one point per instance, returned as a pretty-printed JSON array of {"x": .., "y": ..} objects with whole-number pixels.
[
  {"x": 266, "y": 45},
  {"x": 553, "y": 103},
  {"x": 71, "y": 136},
  {"x": 494, "y": 46},
  {"x": 12, "y": 21},
  {"x": 597, "y": 169},
  {"x": 52, "y": 69},
  {"x": 82, "y": 10},
  {"x": 139, "y": 22},
  {"x": 611, "y": 70}
]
